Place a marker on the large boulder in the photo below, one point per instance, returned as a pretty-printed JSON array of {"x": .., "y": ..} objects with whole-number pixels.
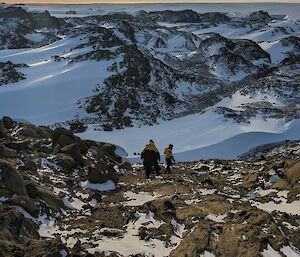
[
  {"x": 125, "y": 167},
  {"x": 2, "y": 129},
  {"x": 18, "y": 145},
  {"x": 14, "y": 227},
  {"x": 66, "y": 162},
  {"x": 282, "y": 184},
  {"x": 102, "y": 173},
  {"x": 11, "y": 179},
  {"x": 29, "y": 165},
  {"x": 8, "y": 122},
  {"x": 63, "y": 137},
  {"x": 292, "y": 171},
  {"x": 109, "y": 150},
  {"x": 250, "y": 181},
  {"x": 26, "y": 203},
  {"x": 6, "y": 152},
  {"x": 73, "y": 150},
  {"x": 36, "y": 192},
  {"x": 32, "y": 131}
]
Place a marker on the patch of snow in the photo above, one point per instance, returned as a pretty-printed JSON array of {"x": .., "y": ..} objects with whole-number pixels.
[
  {"x": 130, "y": 243},
  {"x": 3, "y": 198},
  {"x": 73, "y": 203},
  {"x": 270, "y": 252},
  {"x": 207, "y": 254},
  {"x": 291, "y": 208},
  {"x": 35, "y": 37},
  {"x": 290, "y": 252},
  {"x": 138, "y": 199},
  {"x": 107, "y": 186},
  {"x": 204, "y": 191},
  {"x": 216, "y": 218},
  {"x": 63, "y": 253}
]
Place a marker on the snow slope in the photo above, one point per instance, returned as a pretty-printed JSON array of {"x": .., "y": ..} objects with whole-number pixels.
[
  {"x": 200, "y": 136},
  {"x": 51, "y": 90}
]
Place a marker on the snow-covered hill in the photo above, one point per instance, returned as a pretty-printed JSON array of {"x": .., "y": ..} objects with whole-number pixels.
[{"x": 197, "y": 80}]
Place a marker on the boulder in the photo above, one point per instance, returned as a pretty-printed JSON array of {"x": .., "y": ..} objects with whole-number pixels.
[
  {"x": 29, "y": 165},
  {"x": 73, "y": 150},
  {"x": 2, "y": 129},
  {"x": 195, "y": 243},
  {"x": 6, "y": 152},
  {"x": 52, "y": 200},
  {"x": 29, "y": 130},
  {"x": 282, "y": 184},
  {"x": 26, "y": 203},
  {"x": 109, "y": 150},
  {"x": 44, "y": 132},
  {"x": 250, "y": 181},
  {"x": 77, "y": 127},
  {"x": 292, "y": 171},
  {"x": 14, "y": 227},
  {"x": 11, "y": 179},
  {"x": 63, "y": 137},
  {"x": 8, "y": 122},
  {"x": 45, "y": 248},
  {"x": 33, "y": 131},
  {"x": 64, "y": 140},
  {"x": 125, "y": 167},
  {"x": 18, "y": 145},
  {"x": 102, "y": 174},
  {"x": 66, "y": 162}
]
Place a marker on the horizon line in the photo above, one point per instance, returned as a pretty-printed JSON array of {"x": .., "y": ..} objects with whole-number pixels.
[{"x": 66, "y": 2}]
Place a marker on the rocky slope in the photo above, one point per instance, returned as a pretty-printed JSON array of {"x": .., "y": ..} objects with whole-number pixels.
[
  {"x": 154, "y": 65},
  {"x": 63, "y": 196}
]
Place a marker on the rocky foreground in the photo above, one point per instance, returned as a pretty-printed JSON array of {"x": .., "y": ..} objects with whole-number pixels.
[{"x": 63, "y": 196}]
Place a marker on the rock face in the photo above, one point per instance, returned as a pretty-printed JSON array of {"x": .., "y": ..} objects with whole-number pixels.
[
  {"x": 9, "y": 72},
  {"x": 292, "y": 171},
  {"x": 11, "y": 180},
  {"x": 7, "y": 122},
  {"x": 102, "y": 173}
]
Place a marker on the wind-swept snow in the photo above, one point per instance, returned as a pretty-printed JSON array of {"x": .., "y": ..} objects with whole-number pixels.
[
  {"x": 52, "y": 89},
  {"x": 200, "y": 136}
]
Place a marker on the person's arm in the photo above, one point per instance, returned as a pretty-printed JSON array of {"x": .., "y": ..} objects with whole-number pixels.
[{"x": 173, "y": 157}]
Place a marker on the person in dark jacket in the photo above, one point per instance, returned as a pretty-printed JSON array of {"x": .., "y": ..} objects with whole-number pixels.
[
  {"x": 151, "y": 158},
  {"x": 169, "y": 157}
]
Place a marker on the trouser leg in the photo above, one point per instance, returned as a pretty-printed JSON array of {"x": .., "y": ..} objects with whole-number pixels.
[
  {"x": 157, "y": 168},
  {"x": 169, "y": 162},
  {"x": 148, "y": 170}
]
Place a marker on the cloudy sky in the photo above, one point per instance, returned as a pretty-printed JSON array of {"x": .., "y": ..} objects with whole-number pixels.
[{"x": 147, "y": 1}]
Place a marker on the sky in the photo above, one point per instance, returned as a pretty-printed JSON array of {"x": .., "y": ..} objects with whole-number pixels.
[{"x": 147, "y": 1}]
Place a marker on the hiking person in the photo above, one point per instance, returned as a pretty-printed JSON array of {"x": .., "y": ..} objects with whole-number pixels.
[
  {"x": 151, "y": 157},
  {"x": 169, "y": 157}
]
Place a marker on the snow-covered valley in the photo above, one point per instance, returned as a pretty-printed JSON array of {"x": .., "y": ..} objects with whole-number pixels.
[{"x": 215, "y": 84}]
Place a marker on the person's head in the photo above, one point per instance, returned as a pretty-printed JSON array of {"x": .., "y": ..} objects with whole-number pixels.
[
  {"x": 170, "y": 146},
  {"x": 151, "y": 141}
]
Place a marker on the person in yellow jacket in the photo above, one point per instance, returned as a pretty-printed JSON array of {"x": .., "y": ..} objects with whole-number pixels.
[
  {"x": 169, "y": 157},
  {"x": 151, "y": 157}
]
